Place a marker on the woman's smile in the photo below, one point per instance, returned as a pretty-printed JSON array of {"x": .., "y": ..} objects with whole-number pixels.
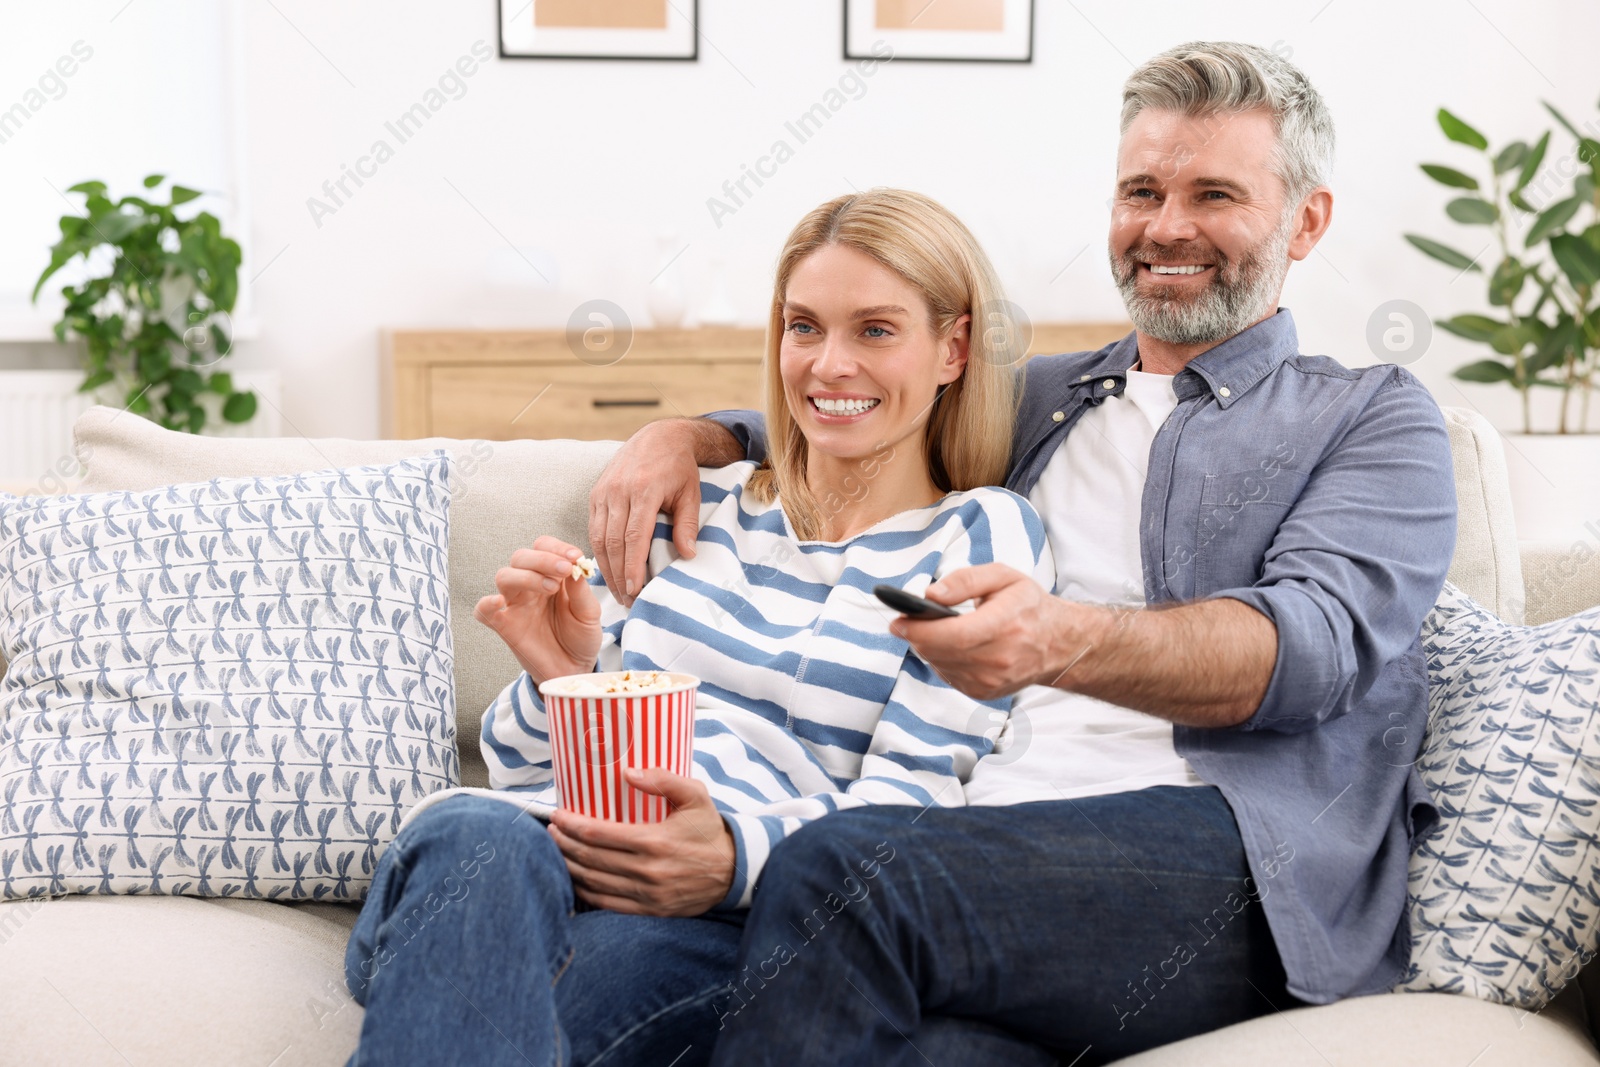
[{"x": 835, "y": 408}]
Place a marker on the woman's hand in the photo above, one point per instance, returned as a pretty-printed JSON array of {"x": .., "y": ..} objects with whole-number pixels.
[
  {"x": 683, "y": 866},
  {"x": 549, "y": 619}
]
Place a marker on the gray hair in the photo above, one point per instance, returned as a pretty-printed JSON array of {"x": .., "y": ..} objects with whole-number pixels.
[{"x": 1204, "y": 78}]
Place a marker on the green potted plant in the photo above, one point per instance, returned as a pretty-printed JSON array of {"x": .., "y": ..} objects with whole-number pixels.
[
  {"x": 1539, "y": 217},
  {"x": 153, "y": 315}
]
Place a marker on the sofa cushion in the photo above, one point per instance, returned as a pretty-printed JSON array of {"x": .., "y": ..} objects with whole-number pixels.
[
  {"x": 504, "y": 494},
  {"x": 1487, "y": 564},
  {"x": 1392, "y": 1030},
  {"x": 1503, "y": 887},
  {"x": 98, "y": 980},
  {"x": 232, "y": 687}
]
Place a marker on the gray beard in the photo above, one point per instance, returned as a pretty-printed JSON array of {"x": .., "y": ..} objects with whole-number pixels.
[{"x": 1237, "y": 297}]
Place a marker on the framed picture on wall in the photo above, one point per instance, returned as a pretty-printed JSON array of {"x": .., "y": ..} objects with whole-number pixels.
[
  {"x": 981, "y": 31},
  {"x": 599, "y": 29}
]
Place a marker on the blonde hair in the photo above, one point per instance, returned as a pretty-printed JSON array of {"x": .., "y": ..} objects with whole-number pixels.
[{"x": 968, "y": 433}]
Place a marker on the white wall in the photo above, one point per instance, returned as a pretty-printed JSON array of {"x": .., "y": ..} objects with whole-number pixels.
[{"x": 582, "y": 165}]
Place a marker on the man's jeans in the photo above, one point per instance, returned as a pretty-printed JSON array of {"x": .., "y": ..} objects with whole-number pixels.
[
  {"x": 1091, "y": 928},
  {"x": 468, "y": 950}
]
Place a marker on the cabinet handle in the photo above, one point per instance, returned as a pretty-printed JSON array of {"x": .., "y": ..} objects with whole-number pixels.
[{"x": 650, "y": 403}]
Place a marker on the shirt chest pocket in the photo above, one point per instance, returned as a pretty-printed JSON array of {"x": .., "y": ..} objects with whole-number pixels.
[{"x": 1240, "y": 513}]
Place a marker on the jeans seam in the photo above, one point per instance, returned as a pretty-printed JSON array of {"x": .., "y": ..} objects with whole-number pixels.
[
  {"x": 600, "y": 1057},
  {"x": 572, "y": 954}
]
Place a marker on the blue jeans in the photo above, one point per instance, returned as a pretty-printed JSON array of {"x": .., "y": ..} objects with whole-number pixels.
[
  {"x": 1084, "y": 930},
  {"x": 469, "y": 950}
]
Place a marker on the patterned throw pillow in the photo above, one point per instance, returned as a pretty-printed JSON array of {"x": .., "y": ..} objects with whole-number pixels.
[
  {"x": 230, "y": 688},
  {"x": 1505, "y": 889}
]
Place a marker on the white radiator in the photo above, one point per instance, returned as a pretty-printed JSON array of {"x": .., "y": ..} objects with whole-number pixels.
[{"x": 37, "y": 408}]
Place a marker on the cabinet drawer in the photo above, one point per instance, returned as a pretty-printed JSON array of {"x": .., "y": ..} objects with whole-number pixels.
[{"x": 501, "y": 403}]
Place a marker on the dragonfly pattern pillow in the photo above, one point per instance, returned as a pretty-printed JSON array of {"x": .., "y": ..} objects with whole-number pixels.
[
  {"x": 231, "y": 688},
  {"x": 1505, "y": 888}
]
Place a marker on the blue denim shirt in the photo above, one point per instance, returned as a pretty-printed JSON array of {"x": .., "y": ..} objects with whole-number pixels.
[{"x": 1324, "y": 498}]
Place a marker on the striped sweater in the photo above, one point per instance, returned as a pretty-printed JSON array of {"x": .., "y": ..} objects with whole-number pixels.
[{"x": 807, "y": 703}]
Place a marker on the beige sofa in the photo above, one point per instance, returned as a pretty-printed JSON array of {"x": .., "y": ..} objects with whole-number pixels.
[{"x": 137, "y": 980}]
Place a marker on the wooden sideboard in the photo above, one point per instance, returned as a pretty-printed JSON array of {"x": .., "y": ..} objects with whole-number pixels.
[{"x": 501, "y": 385}]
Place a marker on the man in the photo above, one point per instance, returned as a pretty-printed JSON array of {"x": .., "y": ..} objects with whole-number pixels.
[{"x": 1207, "y": 802}]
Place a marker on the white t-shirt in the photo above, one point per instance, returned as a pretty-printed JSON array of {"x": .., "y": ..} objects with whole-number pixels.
[{"x": 1058, "y": 744}]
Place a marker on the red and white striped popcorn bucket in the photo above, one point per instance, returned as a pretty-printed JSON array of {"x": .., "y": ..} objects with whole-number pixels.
[{"x": 595, "y": 736}]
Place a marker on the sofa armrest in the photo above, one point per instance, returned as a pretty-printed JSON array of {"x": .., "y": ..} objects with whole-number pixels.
[{"x": 1560, "y": 578}]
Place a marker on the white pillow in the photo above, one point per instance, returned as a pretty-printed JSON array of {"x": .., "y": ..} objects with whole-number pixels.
[
  {"x": 1505, "y": 888},
  {"x": 227, "y": 688}
]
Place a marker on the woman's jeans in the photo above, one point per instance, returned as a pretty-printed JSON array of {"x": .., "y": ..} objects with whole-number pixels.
[
  {"x": 1080, "y": 930},
  {"x": 468, "y": 950}
]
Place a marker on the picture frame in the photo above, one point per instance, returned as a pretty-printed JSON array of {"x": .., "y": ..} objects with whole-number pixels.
[
  {"x": 940, "y": 31},
  {"x": 599, "y": 29}
]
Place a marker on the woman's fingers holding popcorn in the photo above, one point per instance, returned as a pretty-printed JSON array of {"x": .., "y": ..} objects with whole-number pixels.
[
  {"x": 555, "y": 545},
  {"x": 534, "y": 569}
]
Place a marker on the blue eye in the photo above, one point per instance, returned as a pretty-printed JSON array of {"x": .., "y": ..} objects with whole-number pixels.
[
  {"x": 881, "y": 332},
  {"x": 799, "y": 327}
]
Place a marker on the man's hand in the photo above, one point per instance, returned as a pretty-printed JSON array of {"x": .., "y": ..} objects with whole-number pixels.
[
  {"x": 1009, "y": 642},
  {"x": 1205, "y": 664},
  {"x": 683, "y": 866},
  {"x": 656, "y": 470}
]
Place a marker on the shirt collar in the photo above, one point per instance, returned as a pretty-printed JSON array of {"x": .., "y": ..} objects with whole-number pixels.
[
  {"x": 1229, "y": 370},
  {"x": 1235, "y": 366},
  {"x": 1109, "y": 373}
]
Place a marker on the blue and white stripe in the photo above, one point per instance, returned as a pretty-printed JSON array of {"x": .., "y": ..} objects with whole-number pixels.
[{"x": 807, "y": 704}]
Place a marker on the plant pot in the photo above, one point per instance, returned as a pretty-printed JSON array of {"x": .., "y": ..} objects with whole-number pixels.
[{"x": 1555, "y": 485}]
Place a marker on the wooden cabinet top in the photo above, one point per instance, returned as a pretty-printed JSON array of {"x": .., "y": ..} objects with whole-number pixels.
[{"x": 501, "y": 384}]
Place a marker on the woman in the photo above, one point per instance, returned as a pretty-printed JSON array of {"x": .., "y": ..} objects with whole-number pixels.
[{"x": 889, "y": 416}]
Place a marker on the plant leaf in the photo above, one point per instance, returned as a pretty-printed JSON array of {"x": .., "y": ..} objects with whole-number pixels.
[
  {"x": 153, "y": 364},
  {"x": 1510, "y": 157},
  {"x": 1553, "y": 347},
  {"x": 1460, "y": 132},
  {"x": 1577, "y": 259},
  {"x": 187, "y": 382},
  {"x": 1443, "y": 253},
  {"x": 1472, "y": 327},
  {"x": 89, "y": 188},
  {"x": 182, "y": 195},
  {"x": 116, "y": 226},
  {"x": 240, "y": 407},
  {"x": 1551, "y": 220},
  {"x": 1485, "y": 370},
  {"x": 1449, "y": 176},
  {"x": 221, "y": 383},
  {"x": 1472, "y": 211},
  {"x": 1530, "y": 166},
  {"x": 1508, "y": 340},
  {"x": 1506, "y": 282},
  {"x": 1559, "y": 117},
  {"x": 95, "y": 381}
]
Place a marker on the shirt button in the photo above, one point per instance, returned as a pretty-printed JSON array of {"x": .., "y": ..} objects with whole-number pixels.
[
  {"x": 1058, "y": 416},
  {"x": 1109, "y": 383},
  {"x": 1224, "y": 391}
]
